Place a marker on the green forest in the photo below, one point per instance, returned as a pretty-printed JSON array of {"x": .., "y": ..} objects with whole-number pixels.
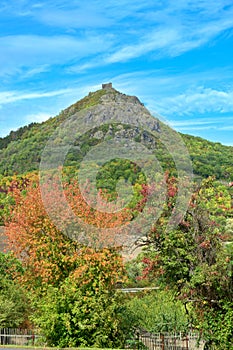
[{"x": 71, "y": 291}]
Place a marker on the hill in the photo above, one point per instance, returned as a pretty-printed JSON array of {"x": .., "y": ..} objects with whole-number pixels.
[{"x": 20, "y": 151}]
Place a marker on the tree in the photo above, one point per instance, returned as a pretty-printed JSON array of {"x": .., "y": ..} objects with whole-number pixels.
[
  {"x": 158, "y": 311},
  {"x": 13, "y": 301},
  {"x": 85, "y": 309},
  {"x": 47, "y": 253},
  {"x": 72, "y": 286},
  {"x": 195, "y": 260}
]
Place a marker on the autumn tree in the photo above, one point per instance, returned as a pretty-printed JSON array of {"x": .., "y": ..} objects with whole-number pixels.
[
  {"x": 195, "y": 261},
  {"x": 72, "y": 286}
]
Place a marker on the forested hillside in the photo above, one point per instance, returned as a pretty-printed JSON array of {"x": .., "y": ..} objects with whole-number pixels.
[
  {"x": 20, "y": 151},
  {"x": 210, "y": 158}
]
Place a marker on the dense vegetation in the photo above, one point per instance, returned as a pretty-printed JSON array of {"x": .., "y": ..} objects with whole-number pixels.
[
  {"x": 209, "y": 158},
  {"x": 69, "y": 288},
  {"x": 13, "y": 301},
  {"x": 20, "y": 152},
  {"x": 72, "y": 288}
]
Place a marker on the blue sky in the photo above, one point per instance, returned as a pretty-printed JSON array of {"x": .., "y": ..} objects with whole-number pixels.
[{"x": 176, "y": 56}]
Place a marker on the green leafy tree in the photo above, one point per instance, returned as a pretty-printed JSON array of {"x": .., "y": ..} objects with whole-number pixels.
[
  {"x": 14, "y": 307},
  {"x": 159, "y": 311},
  {"x": 85, "y": 309},
  {"x": 195, "y": 260}
]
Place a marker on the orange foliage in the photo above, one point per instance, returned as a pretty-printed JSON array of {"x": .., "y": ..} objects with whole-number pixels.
[{"x": 48, "y": 253}]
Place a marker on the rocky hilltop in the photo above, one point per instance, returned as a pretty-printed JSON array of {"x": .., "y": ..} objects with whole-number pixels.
[
  {"x": 22, "y": 153},
  {"x": 21, "y": 150}
]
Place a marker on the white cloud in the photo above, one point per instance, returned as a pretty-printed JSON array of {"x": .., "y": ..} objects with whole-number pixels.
[
  {"x": 228, "y": 144},
  {"x": 37, "y": 118},
  {"x": 227, "y": 127},
  {"x": 5, "y": 131},
  {"x": 35, "y": 71},
  {"x": 125, "y": 29},
  {"x": 70, "y": 94},
  {"x": 191, "y": 122},
  {"x": 34, "y": 50},
  {"x": 13, "y": 96},
  {"x": 200, "y": 100},
  {"x": 154, "y": 41},
  {"x": 163, "y": 89},
  {"x": 84, "y": 67},
  {"x": 171, "y": 39},
  {"x": 111, "y": 32},
  {"x": 73, "y": 14},
  {"x": 196, "y": 128},
  {"x": 76, "y": 18}
]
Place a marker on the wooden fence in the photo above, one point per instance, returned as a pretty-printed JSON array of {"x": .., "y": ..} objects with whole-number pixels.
[
  {"x": 16, "y": 336},
  {"x": 144, "y": 340},
  {"x": 169, "y": 341}
]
